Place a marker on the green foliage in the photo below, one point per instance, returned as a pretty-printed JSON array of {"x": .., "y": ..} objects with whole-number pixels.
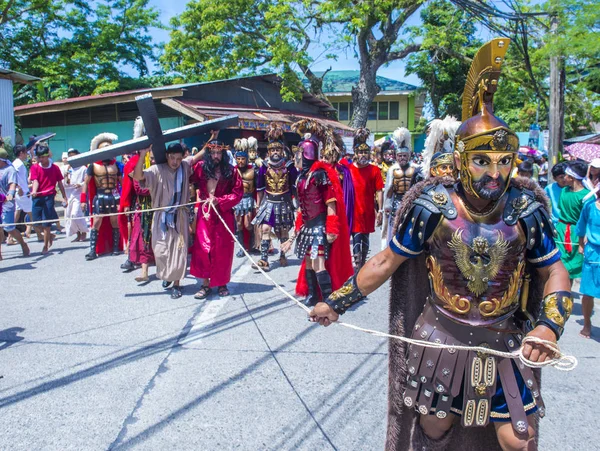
[
  {"x": 449, "y": 41},
  {"x": 78, "y": 48},
  {"x": 214, "y": 40}
]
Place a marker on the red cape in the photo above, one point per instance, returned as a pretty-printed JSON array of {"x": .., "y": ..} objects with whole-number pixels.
[
  {"x": 339, "y": 264},
  {"x": 104, "y": 243},
  {"x": 127, "y": 195}
]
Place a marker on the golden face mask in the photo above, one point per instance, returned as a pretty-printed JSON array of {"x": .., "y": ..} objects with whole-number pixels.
[{"x": 442, "y": 166}]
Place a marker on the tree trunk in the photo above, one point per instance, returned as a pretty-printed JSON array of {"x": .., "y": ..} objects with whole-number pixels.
[
  {"x": 316, "y": 85},
  {"x": 556, "y": 120},
  {"x": 363, "y": 94}
]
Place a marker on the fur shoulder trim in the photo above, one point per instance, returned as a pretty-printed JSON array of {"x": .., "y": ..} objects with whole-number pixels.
[
  {"x": 531, "y": 185},
  {"x": 416, "y": 191}
]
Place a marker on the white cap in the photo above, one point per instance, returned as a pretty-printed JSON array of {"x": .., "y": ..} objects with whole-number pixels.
[
  {"x": 65, "y": 155},
  {"x": 595, "y": 163}
]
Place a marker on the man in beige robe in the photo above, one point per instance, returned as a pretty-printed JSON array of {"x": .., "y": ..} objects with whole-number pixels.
[{"x": 169, "y": 187}]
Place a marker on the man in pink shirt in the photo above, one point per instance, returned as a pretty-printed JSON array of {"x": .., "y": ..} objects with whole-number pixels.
[{"x": 45, "y": 176}]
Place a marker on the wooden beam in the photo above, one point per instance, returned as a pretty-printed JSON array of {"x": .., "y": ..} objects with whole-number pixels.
[
  {"x": 94, "y": 102},
  {"x": 185, "y": 110}
]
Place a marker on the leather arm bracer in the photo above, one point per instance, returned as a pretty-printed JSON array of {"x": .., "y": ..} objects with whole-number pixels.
[
  {"x": 345, "y": 297},
  {"x": 555, "y": 311}
]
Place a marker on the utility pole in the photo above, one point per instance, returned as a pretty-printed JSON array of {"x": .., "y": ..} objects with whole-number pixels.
[{"x": 556, "y": 120}]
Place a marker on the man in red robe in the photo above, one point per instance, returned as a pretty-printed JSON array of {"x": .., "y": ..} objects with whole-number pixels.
[
  {"x": 321, "y": 228},
  {"x": 368, "y": 184},
  {"x": 212, "y": 254},
  {"x": 128, "y": 196}
]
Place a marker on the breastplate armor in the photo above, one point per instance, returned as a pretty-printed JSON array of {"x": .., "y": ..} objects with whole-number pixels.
[
  {"x": 384, "y": 170},
  {"x": 311, "y": 199},
  {"x": 106, "y": 176},
  {"x": 277, "y": 180},
  {"x": 248, "y": 180},
  {"x": 402, "y": 180},
  {"x": 476, "y": 266}
]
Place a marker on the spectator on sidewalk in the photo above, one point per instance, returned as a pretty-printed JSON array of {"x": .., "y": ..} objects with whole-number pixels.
[
  {"x": 588, "y": 230},
  {"x": 571, "y": 204},
  {"x": 554, "y": 189},
  {"x": 74, "y": 179},
  {"x": 8, "y": 187},
  {"x": 23, "y": 198},
  {"x": 525, "y": 170},
  {"x": 45, "y": 176}
]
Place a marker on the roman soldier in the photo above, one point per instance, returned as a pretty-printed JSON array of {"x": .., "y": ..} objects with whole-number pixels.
[
  {"x": 245, "y": 210},
  {"x": 275, "y": 185},
  {"x": 438, "y": 159},
  {"x": 102, "y": 183},
  {"x": 323, "y": 237},
  {"x": 473, "y": 263},
  {"x": 388, "y": 155},
  {"x": 253, "y": 157},
  {"x": 400, "y": 177},
  {"x": 331, "y": 155}
]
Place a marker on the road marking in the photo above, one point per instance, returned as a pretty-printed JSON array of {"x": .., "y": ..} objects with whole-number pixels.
[{"x": 208, "y": 315}]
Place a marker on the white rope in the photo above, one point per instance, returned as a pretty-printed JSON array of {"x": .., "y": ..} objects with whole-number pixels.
[
  {"x": 559, "y": 360},
  {"x": 105, "y": 215}
]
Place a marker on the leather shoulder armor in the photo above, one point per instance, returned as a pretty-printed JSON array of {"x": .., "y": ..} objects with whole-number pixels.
[
  {"x": 320, "y": 177},
  {"x": 522, "y": 206},
  {"x": 426, "y": 211},
  {"x": 436, "y": 199}
]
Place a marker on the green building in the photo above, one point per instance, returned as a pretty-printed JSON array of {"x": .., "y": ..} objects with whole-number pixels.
[
  {"x": 256, "y": 100},
  {"x": 398, "y": 104}
]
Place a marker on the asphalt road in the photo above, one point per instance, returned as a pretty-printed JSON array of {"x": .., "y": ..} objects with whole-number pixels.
[{"x": 89, "y": 359}]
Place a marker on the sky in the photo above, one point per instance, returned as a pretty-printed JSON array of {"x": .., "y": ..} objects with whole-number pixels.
[{"x": 395, "y": 70}]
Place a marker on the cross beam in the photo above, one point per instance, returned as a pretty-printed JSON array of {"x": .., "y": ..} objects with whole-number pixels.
[{"x": 154, "y": 136}]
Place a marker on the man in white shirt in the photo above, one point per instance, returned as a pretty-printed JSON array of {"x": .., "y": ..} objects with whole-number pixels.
[{"x": 22, "y": 198}]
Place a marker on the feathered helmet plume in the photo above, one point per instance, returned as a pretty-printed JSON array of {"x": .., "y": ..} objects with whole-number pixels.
[
  {"x": 402, "y": 139},
  {"x": 138, "y": 128},
  {"x": 313, "y": 133},
  {"x": 439, "y": 145},
  {"x": 241, "y": 147},
  {"x": 252, "y": 143},
  {"x": 274, "y": 135},
  {"x": 333, "y": 145},
  {"x": 360, "y": 139},
  {"x": 102, "y": 138}
]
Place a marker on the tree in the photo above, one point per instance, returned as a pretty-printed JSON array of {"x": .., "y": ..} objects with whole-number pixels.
[
  {"x": 78, "y": 48},
  {"x": 448, "y": 44},
  {"x": 215, "y": 40},
  {"x": 375, "y": 30}
]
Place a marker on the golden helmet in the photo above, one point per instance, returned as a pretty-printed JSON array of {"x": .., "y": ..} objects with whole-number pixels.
[{"x": 480, "y": 130}]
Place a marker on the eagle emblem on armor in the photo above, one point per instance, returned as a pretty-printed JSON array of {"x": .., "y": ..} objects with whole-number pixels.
[{"x": 479, "y": 262}]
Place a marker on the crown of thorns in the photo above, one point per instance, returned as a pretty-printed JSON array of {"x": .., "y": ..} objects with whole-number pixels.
[{"x": 217, "y": 146}]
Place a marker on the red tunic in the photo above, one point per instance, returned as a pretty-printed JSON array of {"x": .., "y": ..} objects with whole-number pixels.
[
  {"x": 339, "y": 263},
  {"x": 367, "y": 181},
  {"x": 127, "y": 196},
  {"x": 212, "y": 253},
  {"x": 105, "y": 240}
]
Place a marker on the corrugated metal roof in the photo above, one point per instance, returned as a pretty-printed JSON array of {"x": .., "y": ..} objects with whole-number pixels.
[
  {"x": 256, "y": 118},
  {"x": 272, "y": 78},
  {"x": 342, "y": 81},
  {"x": 98, "y": 96},
  {"x": 17, "y": 76}
]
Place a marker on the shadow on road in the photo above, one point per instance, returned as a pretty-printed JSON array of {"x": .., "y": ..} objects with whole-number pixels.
[{"x": 9, "y": 337}]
